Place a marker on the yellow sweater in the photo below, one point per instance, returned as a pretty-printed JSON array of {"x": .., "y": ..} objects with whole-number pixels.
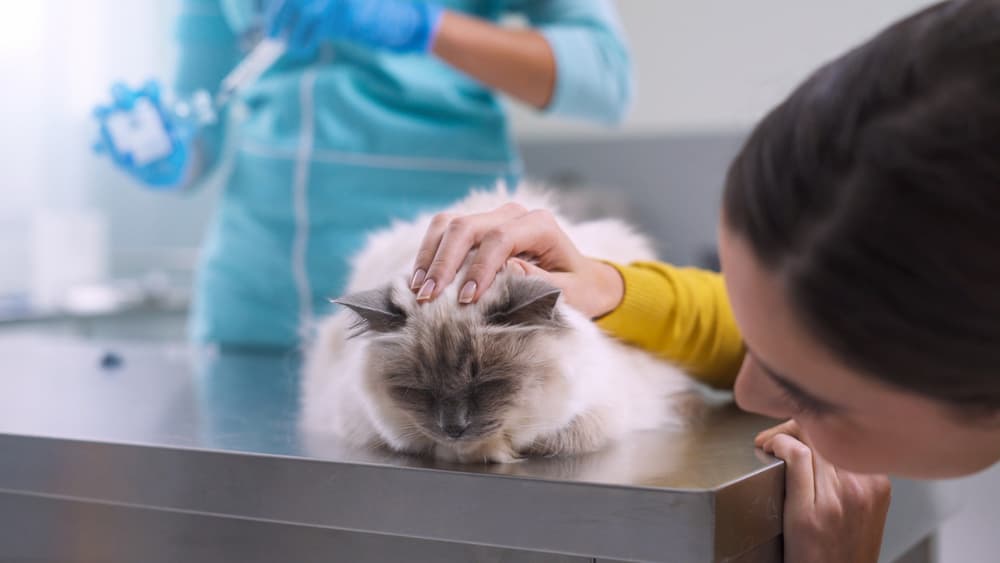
[{"x": 681, "y": 314}]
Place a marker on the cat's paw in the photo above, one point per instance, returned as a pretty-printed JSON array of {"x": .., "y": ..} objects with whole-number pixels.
[
  {"x": 543, "y": 448},
  {"x": 497, "y": 456},
  {"x": 446, "y": 454},
  {"x": 496, "y": 450}
]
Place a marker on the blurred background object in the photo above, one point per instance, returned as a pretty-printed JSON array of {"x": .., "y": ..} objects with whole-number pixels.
[
  {"x": 706, "y": 72},
  {"x": 81, "y": 247}
]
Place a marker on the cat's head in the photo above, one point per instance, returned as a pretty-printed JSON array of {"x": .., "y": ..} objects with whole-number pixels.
[{"x": 461, "y": 372}]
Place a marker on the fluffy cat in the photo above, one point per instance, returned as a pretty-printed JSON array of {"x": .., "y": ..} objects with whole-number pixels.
[{"x": 519, "y": 373}]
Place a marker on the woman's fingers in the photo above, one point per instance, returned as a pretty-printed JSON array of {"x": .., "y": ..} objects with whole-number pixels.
[
  {"x": 831, "y": 515},
  {"x": 828, "y": 485},
  {"x": 521, "y": 267},
  {"x": 800, "y": 478},
  {"x": 448, "y": 240},
  {"x": 496, "y": 237},
  {"x": 534, "y": 233},
  {"x": 825, "y": 481},
  {"x": 869, "y": 496},
  {"x": 789, "y": 427},
  {"x": 428, "y": 248}
]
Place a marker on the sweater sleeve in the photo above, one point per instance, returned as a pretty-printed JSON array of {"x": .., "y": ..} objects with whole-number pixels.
[
  {"x": 681, "y": 314},
  {"x": 593, "y": 66},
  {"x": 208, "y": 49}
]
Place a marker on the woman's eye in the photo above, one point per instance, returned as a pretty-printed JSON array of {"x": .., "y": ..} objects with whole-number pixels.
[{"x": 805, "y": 405}]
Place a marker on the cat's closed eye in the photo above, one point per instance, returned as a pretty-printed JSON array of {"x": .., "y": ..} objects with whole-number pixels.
[
  {"x": 412, "y": 395},
  {"x": 492, "y": 391}
]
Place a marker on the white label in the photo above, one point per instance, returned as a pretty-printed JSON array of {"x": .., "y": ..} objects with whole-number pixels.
[{"x": 140, "y": 133}]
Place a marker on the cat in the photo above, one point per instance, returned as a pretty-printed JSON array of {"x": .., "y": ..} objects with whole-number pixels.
[{"x": 520, "y": 373}]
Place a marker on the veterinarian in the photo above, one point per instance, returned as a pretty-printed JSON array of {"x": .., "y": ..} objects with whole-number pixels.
[
  {"x": 861, "y": 289},
  {"x": 382, "y": 108}
]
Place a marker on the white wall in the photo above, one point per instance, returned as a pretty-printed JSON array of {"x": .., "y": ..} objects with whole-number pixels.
[
  {"x": 704, "y": 65},
  {"x": 721, "y": 64},
  {"x": 58, "y": 60}
]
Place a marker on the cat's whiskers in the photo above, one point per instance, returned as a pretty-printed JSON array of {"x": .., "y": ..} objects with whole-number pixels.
[
  {"x": 412, "y": 430},
  {"x": 493, "y": 361}
]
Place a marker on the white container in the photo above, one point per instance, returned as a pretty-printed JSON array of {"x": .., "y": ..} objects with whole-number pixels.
[{"x": 69, "y": 247}]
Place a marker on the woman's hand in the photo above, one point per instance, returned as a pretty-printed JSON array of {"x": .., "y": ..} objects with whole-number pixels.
[
  {"x": 402, "y": 26},
  {"x": 831, "y": 515},
  {"x": 508, "y": 237},
  {"x": 144, "y": 138}
]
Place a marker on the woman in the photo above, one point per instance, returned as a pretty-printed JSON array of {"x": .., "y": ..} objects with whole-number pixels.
[
  {"x": 861, "y": 289},
  {"x": 380, "y": 109}
]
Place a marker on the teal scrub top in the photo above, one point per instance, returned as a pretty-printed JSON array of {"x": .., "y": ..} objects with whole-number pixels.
[{"x": 325, "y": 148}]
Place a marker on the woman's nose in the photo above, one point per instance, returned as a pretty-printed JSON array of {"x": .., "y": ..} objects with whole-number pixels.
[
  {"x": 753, "y": 393},
  {"x": 742, "y": 392}
]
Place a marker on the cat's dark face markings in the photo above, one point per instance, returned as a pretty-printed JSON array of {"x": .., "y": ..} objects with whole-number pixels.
[
  {"x": 460, "y": 384},
  {"x": 457, "y": 376}
]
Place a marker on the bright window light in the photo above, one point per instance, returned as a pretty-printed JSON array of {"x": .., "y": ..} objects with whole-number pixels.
[{"x": 21, "y": 28}]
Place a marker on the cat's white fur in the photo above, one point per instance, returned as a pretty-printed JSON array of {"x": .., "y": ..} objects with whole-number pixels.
[{"x": 609, "y": 388}]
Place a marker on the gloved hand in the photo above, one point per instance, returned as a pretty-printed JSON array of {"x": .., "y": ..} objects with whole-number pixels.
[
  {"x": 402, "y": 26},
  {"x": 144, "y": 138}
]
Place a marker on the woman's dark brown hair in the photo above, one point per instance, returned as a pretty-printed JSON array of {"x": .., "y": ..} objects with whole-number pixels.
[{"x": 873, "y": 191}]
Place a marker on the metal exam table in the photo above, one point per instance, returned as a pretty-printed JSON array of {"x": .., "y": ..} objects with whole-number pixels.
[{"x": 149, "y": 453}]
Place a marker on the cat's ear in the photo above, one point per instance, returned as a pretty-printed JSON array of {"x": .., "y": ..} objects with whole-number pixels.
[
  {"x": 376, "y": 310},
  {"x": 529, "y": 302}
]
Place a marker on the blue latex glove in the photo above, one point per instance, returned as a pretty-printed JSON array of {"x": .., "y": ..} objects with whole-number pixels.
[
  {"x": 402, "y": 26},
  {"x": 143, "y": 138}
]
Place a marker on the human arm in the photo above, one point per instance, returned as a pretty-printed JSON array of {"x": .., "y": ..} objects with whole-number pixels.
[
  {"x": 517, "y": 62},
  {"x": 571, "y": 61},
  {"x": 679, "y": 314},
  {"x": 682, "y": 314}
]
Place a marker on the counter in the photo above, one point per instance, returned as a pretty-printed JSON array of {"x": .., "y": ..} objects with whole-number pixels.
[{"x": 159, "y": 453}]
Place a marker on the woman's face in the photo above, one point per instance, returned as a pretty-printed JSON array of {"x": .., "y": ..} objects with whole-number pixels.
[{"x": 853, "y": 420}]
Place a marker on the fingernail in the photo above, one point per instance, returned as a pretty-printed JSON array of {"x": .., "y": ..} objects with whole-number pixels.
[
  {"x": 418, "y": 278},
  {"x": 425, "y": 291},
  {"x": 468, "y": 292}
]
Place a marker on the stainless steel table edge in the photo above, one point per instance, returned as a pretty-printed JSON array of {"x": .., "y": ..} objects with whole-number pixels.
[
  {"x": 570, "y": 518},
  {"x": 739, "y": 505}
]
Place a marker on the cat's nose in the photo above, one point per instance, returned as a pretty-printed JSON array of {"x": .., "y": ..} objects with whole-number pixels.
[{"x": 455, "y": 430}]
